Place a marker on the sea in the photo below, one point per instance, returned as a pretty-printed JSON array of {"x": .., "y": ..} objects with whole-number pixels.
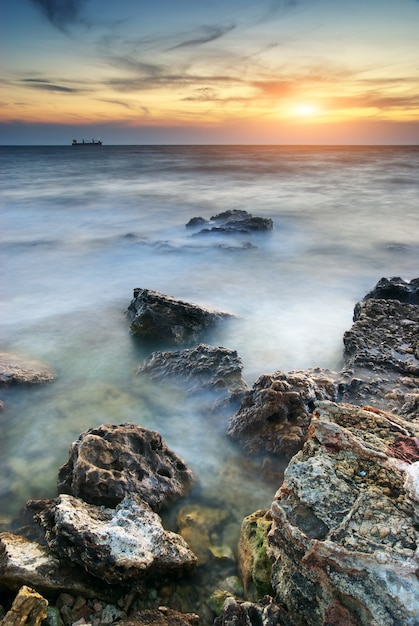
[{"x": 82, "y": 227}]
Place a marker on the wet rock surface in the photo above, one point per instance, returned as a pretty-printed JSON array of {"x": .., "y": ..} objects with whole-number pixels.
[
  {"x": 157, "y": 316},
  {"x": 381, "y": 356},
  {"x": 202, "y": 367},
  {"x": 231, "y": 222},
  {"x": 344, "y": 534},
  {"x": 112, "y": 461},
  {"x": 396, "y": 288},
  {"x": 116, "y": 545},
  {"x": 28, "y": 607},
  {"x": 16, "y": 370},
  {"x": 254, "y": 564},
  {"x": 275, "y": 414}
]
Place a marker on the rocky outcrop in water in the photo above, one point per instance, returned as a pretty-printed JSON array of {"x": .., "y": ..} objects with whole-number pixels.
[
  {"x": 344, "y": 534},
  {"x": 396, "y": 288},
  {"x": 202, "y": 367},
  {"x": 15, "y": 370},
  {"x": 113, "y": 461},
  {"x": 117, "y": 545},
  {"x": 157, "y": 316},
  {"x": 234, "y": 221},
  {"x": 275, "y": 414},
  {"x": 381, "y": 356}
]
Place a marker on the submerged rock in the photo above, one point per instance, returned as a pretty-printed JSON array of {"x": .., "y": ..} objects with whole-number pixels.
[
  {"x": 275, "y": 414},
  {"x": 112, "y": 461},
  {"x": 16, "y": 370},
  {"x": 344, "y": 534},
  {"x": 117, "y": 545},
  {"x": 197, "y": 525},
  {"x": 202, "y": 367},
  {"x": 163, "y": 616},
  {"x": 157, "y": 316}
]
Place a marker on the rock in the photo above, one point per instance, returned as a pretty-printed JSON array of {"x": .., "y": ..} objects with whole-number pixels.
[
  {"x": 163, "y": 616},
  {"x": 24, "y": 562},
  {"x": 28, "y": 607},
  {"x": 254, "y": 564},
  {"x": 202, "y": 367},
  {"x": 197, "y": 524},
  {"x": 381, "y": 357},
  {"x": 263, "y": 613},
  {"x": 17, "y": 370},
  {"x": 274, "y": 415},
  {"x": 111, "y": 461},
  {"x": 230, "y": 222},
  {"x": 396, "y": 289},
  {"x": 344, "y": 535},
  {"x": 116, "y": 545},
  {"x": 157, "y": 316}
]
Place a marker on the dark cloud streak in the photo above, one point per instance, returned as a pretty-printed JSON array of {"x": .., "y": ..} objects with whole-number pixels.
[
  {"x": 62, "y": 13},
  {"x": 38, "y": 83},
  {"x": 210, "y": 33}
]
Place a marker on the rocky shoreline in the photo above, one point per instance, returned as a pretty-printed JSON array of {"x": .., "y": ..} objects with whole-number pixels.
[{"x": 125, "y": 543}]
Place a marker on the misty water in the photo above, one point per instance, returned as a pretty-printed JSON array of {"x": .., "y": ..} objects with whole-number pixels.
[{"x": 82, "y": 227}]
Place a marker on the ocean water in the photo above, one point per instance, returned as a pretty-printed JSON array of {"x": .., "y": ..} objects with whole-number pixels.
[{"x": 81, "y": 228}]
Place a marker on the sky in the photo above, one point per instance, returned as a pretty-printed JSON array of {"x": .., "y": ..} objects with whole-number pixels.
[{"x": 209, "y": 71}]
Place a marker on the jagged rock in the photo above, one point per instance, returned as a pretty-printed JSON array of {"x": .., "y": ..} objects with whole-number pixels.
[
  {"x": 202, "y": 367},
  {"x": 274, "y": 415},
  {"x": 344, "y": 533},
  {"x": 163, "y": 616},
  {"x": 157, "y": 316},
  {"x": 231, "y": 221},
  {"x": 381, "y": 357},
  {"x": 24, "y": 562},
  {"x": 117, "y": 545},
  {"x": 28, "y": 607},
  {"x": 112, "y": 461},
  {"x": 17, "y": 370},
  {"x": 263, "y": 613},
  {"x": 197, "y": 524},
  {"x": 396, "y": 288},
  {"x": 254, "y": 564}
]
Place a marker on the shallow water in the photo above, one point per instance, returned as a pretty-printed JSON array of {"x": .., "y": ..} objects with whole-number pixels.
[{"x": 80, "y": 228}]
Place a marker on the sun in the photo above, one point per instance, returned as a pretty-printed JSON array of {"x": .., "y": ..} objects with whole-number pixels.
[{"x": 305, "y": 110}]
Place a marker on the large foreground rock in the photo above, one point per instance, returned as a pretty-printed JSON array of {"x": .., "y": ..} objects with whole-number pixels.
[
  {"x": 203, "y": 367},
  {"x": 345, "y": 522},
  {"x": 16, "y": 370},
  {"x": 275, "y": 414},
  {"x": 157, "y": 316},
  {"x": 231, "y": 222},
  {"x": 117, "y": 545},
  {"x": 112, "y": 461},
  {"x": 24, "y": 562}
]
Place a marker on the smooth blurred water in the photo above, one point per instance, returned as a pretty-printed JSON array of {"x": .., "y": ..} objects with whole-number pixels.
[{"x": 81, "y": 227}]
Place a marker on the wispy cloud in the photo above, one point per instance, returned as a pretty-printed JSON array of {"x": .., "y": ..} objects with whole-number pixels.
[
  {"x": 208, "y": 33},
  {"x": 38, "y": 83},
  {"x": 62, "y": 13}
]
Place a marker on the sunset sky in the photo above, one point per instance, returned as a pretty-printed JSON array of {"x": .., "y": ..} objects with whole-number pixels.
[{"x": 210, "y": 71}]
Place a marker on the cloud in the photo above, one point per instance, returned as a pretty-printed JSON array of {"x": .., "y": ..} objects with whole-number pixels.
[
  {"x": 38, "y": 83},
  {"x": 209, "y": 33},
  {"x": 62, "y": 13}
]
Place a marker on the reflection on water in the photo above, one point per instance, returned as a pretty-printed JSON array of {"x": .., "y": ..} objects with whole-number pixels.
[{"x": 79, "y": 232}]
